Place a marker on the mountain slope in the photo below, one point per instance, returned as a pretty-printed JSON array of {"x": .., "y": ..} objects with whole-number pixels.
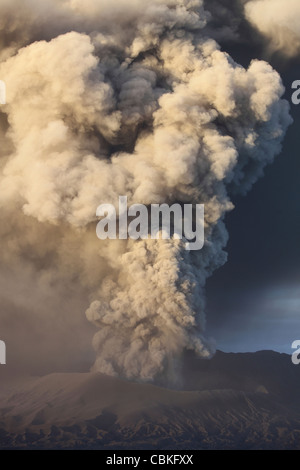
[{"x": 232, "y": 401}]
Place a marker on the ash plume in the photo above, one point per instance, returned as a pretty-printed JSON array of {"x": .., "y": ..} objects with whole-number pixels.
[
  {"x": 278, "y": 22},
  {"x": 267, "y": 26},
  {"x": 110, "y": 98}
]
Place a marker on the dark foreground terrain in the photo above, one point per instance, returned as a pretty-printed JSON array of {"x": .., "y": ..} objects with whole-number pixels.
[{"x": 234, "y": 401}]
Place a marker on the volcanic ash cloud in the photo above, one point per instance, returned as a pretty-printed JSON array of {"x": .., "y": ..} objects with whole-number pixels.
[
  {"x": 279, "y": 22},
  {"x": 130, "y": 98}
]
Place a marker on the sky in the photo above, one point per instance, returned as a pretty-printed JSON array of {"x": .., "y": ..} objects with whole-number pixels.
[{"x": 253, "y": 301}]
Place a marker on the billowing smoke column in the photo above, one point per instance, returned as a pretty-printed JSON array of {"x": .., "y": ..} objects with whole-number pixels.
[{"x": 109, "y": 98}]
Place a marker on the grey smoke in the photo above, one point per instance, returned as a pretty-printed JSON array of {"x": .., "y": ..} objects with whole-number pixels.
[{"x": 109, "y": 98}]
